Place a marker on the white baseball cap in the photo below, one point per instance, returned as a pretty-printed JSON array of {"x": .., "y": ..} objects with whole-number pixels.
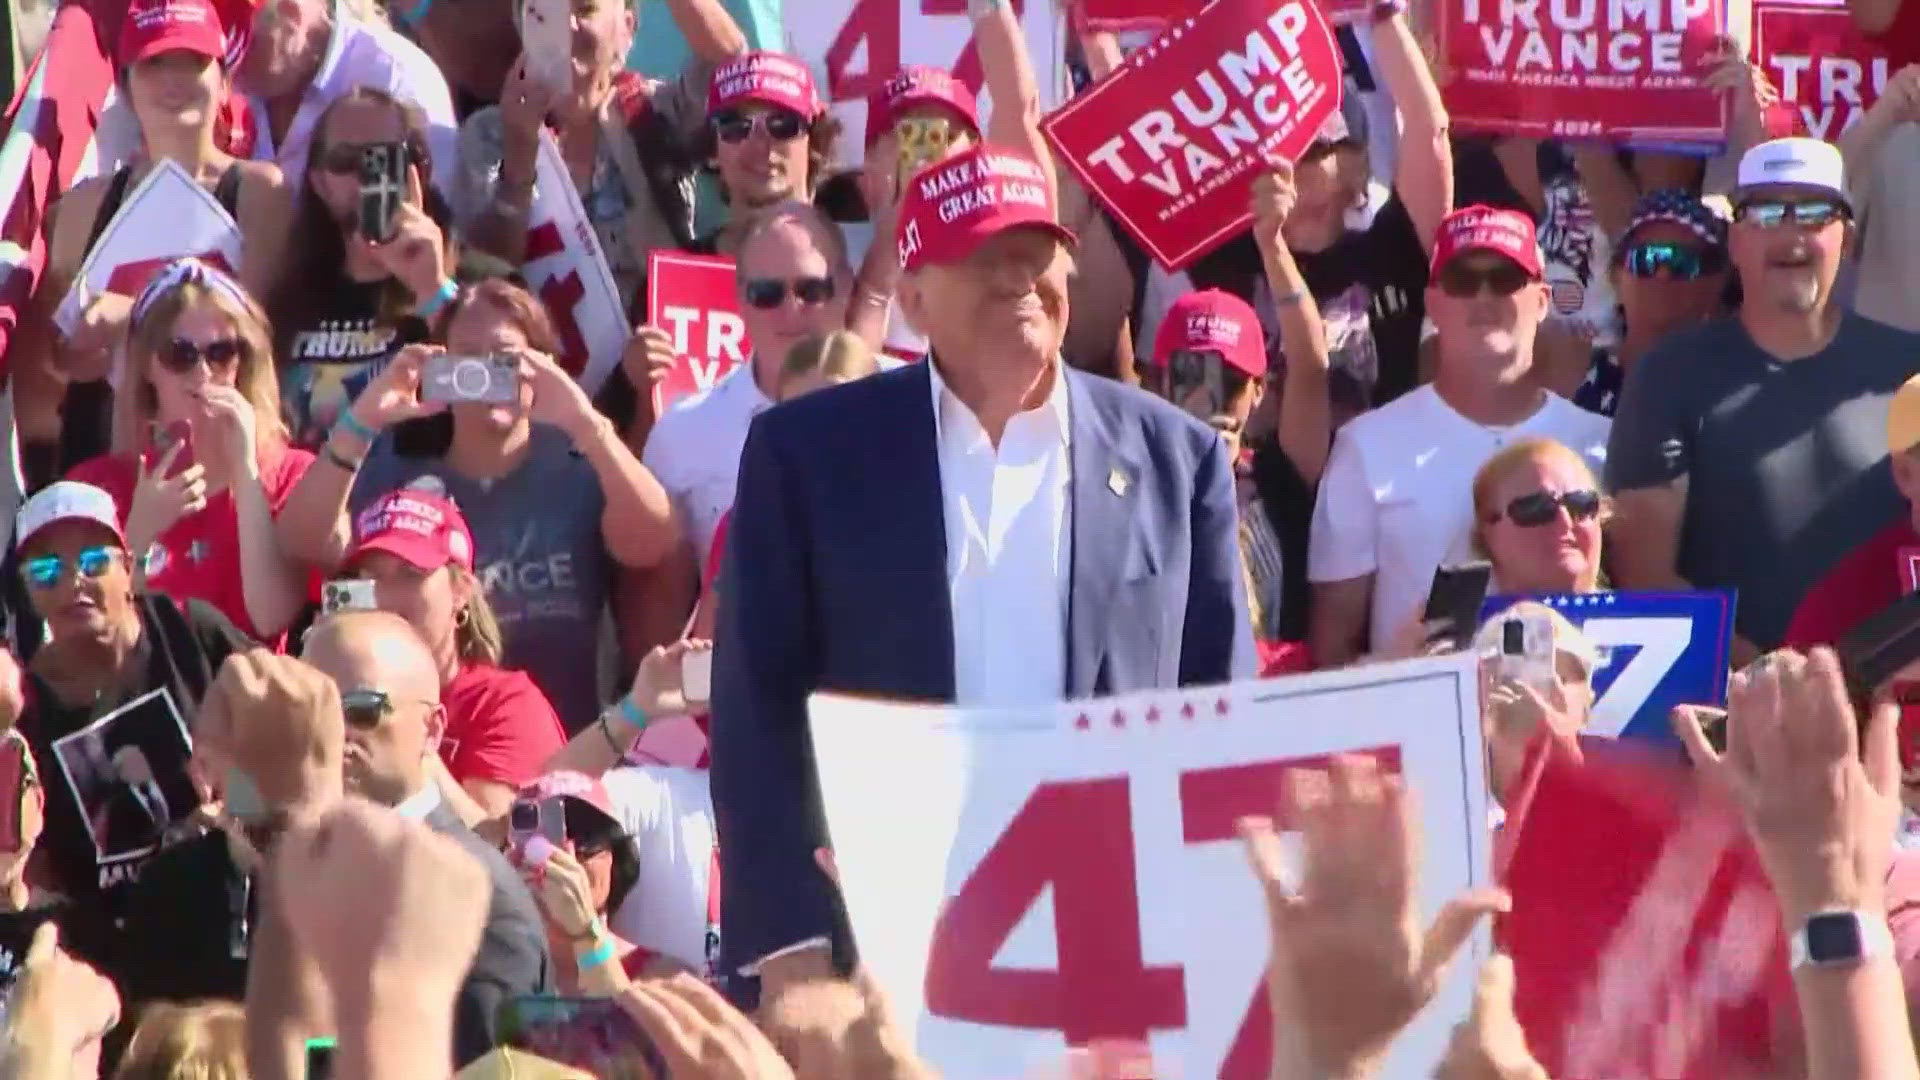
[
  {"x": 66, "y": 500},
  {"x": 1794, "y": 162}
]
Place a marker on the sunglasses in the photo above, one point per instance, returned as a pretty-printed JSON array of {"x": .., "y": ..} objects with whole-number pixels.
[
  {"x": 45, "y": 571},
  {"x": 365, "y": 710},
  {"x": 733, "y": 126},
  {"x": 1542, "y": 507},
  {"x": 769, "y": 293},
  {"x": 1774, "y": 213},
  {"x": 180, "y": 355},
  {"x": 343, "y": 159},
  {"x": 1464, "y": 282},
  {"x": 1682, "y": 263}
]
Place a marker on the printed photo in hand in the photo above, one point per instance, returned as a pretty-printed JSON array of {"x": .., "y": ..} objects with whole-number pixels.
[{"x": 128, "y": 773}]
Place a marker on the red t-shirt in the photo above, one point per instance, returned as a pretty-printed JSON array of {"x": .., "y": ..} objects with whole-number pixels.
[
  {"x": 500, "y": 727},
  {"x": 199, "y": 557},
  {"x": 1857, "y": 588}
]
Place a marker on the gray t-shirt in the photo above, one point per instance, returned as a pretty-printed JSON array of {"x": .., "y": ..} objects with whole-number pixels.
[
  {"x": 539, "y": 551},
  {"x": 1786, "y": 461}
]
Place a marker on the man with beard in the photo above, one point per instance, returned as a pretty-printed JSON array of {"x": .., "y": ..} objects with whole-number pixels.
[{"x": 1750, "y": 453}]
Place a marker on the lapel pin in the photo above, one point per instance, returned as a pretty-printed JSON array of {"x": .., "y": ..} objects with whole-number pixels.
[{"x": 1117, "y": 481}]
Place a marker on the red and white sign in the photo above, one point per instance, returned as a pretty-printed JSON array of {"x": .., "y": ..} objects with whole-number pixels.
[
  {"x": 1826, "y": 70},
  {"x": 1020, "y": 882},
  {"x": 694, "y": 298},
  {"x": 857, "y": 45},
  {"x": 567, "y": 270},
  {"x": 1592, "y": 69},
  {"x": 1172, "y": 141},
  {"x": 1910, "y": 568},
  {"x": 1121, "y": 16},
  {"x": 131, "y": 249}
]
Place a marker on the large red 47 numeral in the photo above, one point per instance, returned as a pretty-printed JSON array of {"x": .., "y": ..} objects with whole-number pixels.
[
  {"x": 1078, "y": 838},
  {"x": 877, "y": 23}
]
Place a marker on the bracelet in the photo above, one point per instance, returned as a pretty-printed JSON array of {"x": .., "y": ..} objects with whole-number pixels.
[
  {"x": 598, "y": 956},
  {"x": 354, "y": 427},
  {"x": 431, "y": 305},
  {"x": 418, "y": 12},
  {"x": 632, "y": 714},
  {"x": 335, "y": 459},
  {"x": 612, "y": 742},
  {"x": 1290, "y": 299}
]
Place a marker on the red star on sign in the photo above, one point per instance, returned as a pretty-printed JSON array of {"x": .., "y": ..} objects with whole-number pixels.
[
  {"x": 1083, "y": 722},
  {"x": 1220, "y": 707},
  {"x": 1119, "y": 718},
  {"x": 1186, "y": 711},
  {"x": 1153, "y": 714}
]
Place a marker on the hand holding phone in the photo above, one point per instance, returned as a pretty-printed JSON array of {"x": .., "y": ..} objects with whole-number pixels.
[
  {"x": 530, "y": 818},
  {"x": 922, "y": 141},
  {"x": 1527, "y": 651},
  {"x": 546, "y": 36},
  {"x": 493, "y": 380},
  {"x": 383, "y": 187},
  {"x": 696, "y": 677},
  {"x": 1455, "y": 599}
]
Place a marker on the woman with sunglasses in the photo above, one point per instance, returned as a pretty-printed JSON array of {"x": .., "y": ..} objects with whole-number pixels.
[
  {"x": 1538, "y": 516},
  {"x": 106, "y": 644},
  {"x": 200, "y": 464},
  {"x": 171, "y": 74},
  {"x": 628, "y": 142},
  {"x": 552, "y": 495}
]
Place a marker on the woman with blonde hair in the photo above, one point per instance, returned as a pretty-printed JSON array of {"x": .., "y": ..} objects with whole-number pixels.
[
  {"x": 202, "y": 1041},
  {"x": 1538, "y": 514},
  {"x": 200, "y": 464}
]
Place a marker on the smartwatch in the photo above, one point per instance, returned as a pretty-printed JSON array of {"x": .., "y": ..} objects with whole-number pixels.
[{"x": 1839, "y": 937}]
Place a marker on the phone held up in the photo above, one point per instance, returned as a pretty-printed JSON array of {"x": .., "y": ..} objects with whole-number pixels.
[
  {"x": 492, "y": 380},
  {"x": 383, "y": 187},
  {"x": 923, "y": 141},
  {"x": 1196, "y": 382},
  {"x": 529, "y": 818},
  {"x": 165, "y": 437},
  {"x": 1454, "y": 602},
  {"x": 348, "y": 594},
  {"x": 1527, "y": 650}
]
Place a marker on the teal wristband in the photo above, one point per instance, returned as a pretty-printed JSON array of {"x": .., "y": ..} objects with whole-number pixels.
[
  {"x": 598, "y": 955},
  {"x": 354, "y": 427},
  {"x": 431, "y": 305},
  {"x": 631, "y": 714}
]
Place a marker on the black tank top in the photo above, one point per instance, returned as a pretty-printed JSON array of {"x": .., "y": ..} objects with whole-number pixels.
[{"x": 86, "y": 412}]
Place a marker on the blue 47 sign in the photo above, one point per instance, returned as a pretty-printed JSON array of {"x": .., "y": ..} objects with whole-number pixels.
[{"x": 1657, "y": 650}]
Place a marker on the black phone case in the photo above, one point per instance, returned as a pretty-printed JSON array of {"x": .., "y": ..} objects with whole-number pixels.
[
  {"x": 1875, "y": 650},
  {"x": 1457, "y": 595}
]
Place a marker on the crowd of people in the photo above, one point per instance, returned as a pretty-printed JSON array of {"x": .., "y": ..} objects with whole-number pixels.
[{"x": 339, "y": 707}]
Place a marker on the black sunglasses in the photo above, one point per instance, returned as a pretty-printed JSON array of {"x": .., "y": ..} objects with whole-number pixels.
[
  {"x": 365, "y": 710},
  {"x": 343, "y": 159},
  {"x": 181, "y": 355},
  {"x": 1773, "y": 213},
  {"x": 1681, "y": 262},
  {"x": 1463, "y": 282},
  {"x": 733, "y": 126},
  {"x": 1542, "y": 507},
  {"x": 769, "y": 293}
]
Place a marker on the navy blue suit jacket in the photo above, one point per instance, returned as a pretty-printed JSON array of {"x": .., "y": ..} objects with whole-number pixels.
[{"x": 835, "y": 578}]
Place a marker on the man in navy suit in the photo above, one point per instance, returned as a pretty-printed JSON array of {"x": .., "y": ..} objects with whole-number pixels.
[{"x": 987, "y": 527}]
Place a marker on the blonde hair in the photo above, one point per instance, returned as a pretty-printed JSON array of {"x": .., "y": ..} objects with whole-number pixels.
[
  {"x": 134, "y": 403},
  {"x": 476, "y": 638},
  {"x": 1500, "y": 465},
  {"x": 839, "y": 356},
  {"x": 202, "y": 1041}
]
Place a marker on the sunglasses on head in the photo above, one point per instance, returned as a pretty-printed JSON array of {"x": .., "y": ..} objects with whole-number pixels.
[
  {"x": 1774, "y": 213},
  {"x": 770, "y": 293},
  {"x": 45, "y": 571},
  {"x": 1463, "y": 282},
  {"x": 733, "y": 126},
  {"x": 1543, "y": 507},
  {"x": 180, "y": 355},
  {"x": 1681, "y": 262}
]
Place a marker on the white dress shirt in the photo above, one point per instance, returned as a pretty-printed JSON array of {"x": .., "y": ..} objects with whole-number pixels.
[
  {"x": 368, "y": 54},
  {"x": 694, "y": 450},
  {"x": 1009, "y": 533},
  {"x": 418, "y": 805}
]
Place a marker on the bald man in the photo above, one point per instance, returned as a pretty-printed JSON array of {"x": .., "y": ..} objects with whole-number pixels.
[{"x": 390, "y": 694}]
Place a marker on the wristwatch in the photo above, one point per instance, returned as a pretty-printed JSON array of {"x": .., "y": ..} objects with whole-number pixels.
[{"x": 1838, "y": 937}]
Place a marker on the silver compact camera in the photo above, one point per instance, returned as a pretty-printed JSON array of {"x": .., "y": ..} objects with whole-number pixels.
[{"x": 494, "y": 380}]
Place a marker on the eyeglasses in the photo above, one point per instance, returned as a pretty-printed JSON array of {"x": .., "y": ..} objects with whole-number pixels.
[
  {"x": 181, "y": 355},
  {"x": 1463, "y": 282},
  {"x": 45, "y": 571},
  {"x": 1774, "y": 213},
  {"x": 1682, "y": 263},
  {"x": 1542, "y": 507},
  {"x": 769, "y": 293},
  {"x": 733, "y": 126}
]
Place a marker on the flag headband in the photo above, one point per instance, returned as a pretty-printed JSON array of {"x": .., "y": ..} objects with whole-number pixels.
[{"x": 189, "y": 271}]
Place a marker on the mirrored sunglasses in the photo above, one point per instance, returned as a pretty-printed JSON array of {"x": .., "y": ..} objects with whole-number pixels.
[
  {"x": 45, "y": 571},
  {"x": 1774, "y": 213},
  {"x": 1680, "y": 261},
  {"x": 733, "y": 126}
]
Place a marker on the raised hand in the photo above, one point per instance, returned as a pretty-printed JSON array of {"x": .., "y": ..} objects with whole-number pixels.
[
  {"x": 161, "y": 498},
  {"x": 280, "y": 721},
  {"x": 233, "y": 420},
  {"x": 658, "y": 689},
  {"x": 1273, "y": 199},
  {"x": 394, "y": 395},
  {"x": 699, "y": 1034},
  {"x": 417, "y": 254}
]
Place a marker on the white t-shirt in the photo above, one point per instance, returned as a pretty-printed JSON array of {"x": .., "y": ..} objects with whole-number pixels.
[
  {"x": 694, "y": 450},
  {"x": 1397, "y": 498},
  {"x": 669, "y": 814}
]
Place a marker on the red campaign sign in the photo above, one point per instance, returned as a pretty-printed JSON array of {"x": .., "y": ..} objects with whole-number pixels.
[
  {"x": 1828, "y": 73},
  {"x": 128, "y": 279},
  {"x": 1910, "y": 568},
  {"x": 694, "y": 298},
  {"x": 1119, "y": 16},
  {"x": 1645, "y": 938},
  {"x": 1583, "y": 69},
  {"x": 1171, "y": 142}
]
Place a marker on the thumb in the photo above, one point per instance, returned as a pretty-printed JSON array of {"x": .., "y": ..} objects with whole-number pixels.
[
  {"x": 1493, "y": 990},
  {"x": 1451, "y": 928}
]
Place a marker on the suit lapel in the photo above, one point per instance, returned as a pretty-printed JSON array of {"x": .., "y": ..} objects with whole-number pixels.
[
  {"x": 913, "y": 515},
  {"x": 1104, "y": 492}
]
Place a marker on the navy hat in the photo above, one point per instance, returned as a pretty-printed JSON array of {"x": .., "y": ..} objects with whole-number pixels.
[{"x": 1682, "y": 208}]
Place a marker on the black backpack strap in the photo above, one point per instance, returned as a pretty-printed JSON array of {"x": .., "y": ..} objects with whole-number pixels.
[
  {"x": 227, "y": 191},
  {"x": 109, "y": 206}
]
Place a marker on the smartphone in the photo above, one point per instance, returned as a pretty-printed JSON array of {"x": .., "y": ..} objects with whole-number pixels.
[
  {"x": 320, "y": 1059},
  {"x": 593, "y": 1034},
  {"x": 923, "y": 141},
  {"x": 1526, "y": 650},
  {"x": 1455, "y": 599},
  {"x": 696, "y": 676},
  {"x": 165, "y": 437},
  {"x": 494, "y": 380},
  {"x": 348, "y": 594},
  {"x": 1878, "y": 649},
  {"x": 383, "y": 187},
  {"x": 241, "y": 798},
  {"x": 14, "y": 777},
  {"x": 1197, "y": 383},
  {"x": 537, "y": 817},
  {"x": 546, "y": 36}
]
